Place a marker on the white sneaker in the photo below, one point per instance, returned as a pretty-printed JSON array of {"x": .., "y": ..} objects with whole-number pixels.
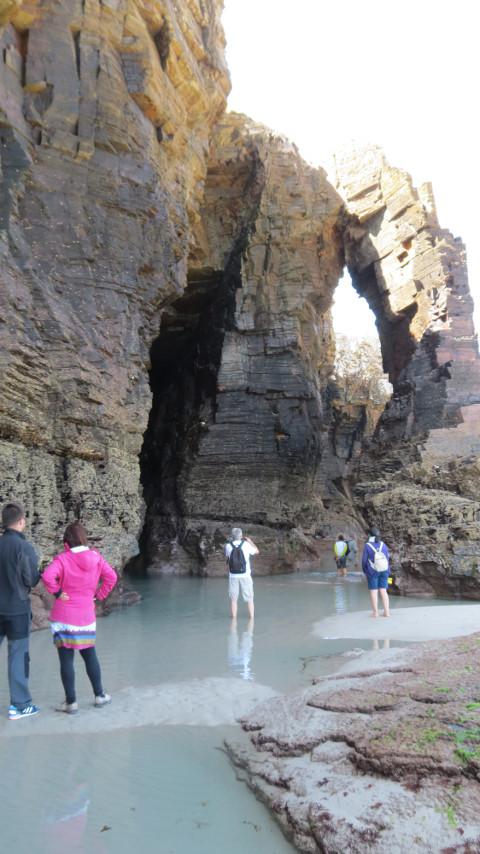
[
  {"x": 68, "y": 708},
  {"x": 102, "y": 700}
]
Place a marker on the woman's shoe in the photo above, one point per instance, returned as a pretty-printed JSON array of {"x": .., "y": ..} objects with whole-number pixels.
[
  {"x": 102, "y": 700},
  {"x": 68, "y": 708}
]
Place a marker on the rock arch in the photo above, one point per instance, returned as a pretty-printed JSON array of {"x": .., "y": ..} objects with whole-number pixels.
[
  {"x": 413, "y": 274},
  {"x": 270, "y": 455},
  {"x": 123, "y": 186},
  {"x": 418, "y": 480}
]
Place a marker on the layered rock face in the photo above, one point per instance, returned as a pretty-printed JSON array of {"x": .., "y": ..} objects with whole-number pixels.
[
  {"x": 418, "y": 478},
  {"x": 106, "y": 111},
  {"x": 252, "y": 407},
  {"x": 167, "y": 346}
]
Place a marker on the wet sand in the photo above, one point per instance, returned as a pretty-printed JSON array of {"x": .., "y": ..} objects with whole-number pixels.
[
  {"x": 207, "y": 702},
  {"x": 438, "y": 622}
]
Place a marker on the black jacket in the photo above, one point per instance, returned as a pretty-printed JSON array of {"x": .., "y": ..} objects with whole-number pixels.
[{"x": 18, "y": 573}]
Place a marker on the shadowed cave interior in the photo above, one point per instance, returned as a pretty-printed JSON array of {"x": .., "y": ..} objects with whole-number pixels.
[{"x": 184, "y": 362}]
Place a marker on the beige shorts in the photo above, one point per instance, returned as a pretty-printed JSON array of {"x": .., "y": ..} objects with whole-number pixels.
[{"x": 243, "y": 583}]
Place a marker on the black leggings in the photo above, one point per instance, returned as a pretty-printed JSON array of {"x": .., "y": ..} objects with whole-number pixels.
[{"x": 67, "y": 672}]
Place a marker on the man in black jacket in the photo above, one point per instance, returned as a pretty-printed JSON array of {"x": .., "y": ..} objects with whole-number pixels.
[{"x": 18, "y": 574}]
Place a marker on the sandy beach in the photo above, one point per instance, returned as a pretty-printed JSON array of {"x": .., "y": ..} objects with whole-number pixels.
[{"x": 405, "y": 624}]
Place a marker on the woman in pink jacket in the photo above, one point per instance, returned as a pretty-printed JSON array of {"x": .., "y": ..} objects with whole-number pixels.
[{"x": 74, "y": 578}]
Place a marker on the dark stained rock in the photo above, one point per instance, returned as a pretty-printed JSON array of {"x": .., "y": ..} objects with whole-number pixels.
[{"x": 251, "y": 407}]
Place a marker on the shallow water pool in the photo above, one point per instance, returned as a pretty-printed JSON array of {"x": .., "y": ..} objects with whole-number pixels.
[{"x": 148, "y": 773}]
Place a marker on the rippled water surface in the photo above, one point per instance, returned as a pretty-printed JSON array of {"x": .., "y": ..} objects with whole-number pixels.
[{"x": 148, "y": 774}]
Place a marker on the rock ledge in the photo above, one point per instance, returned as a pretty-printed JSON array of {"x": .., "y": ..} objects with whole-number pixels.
[{"x": 386, "y": 759}]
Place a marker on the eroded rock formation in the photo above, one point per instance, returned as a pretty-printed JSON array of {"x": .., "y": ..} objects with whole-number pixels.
[
  {"x": 266, "y": 260},
  {"x": 106, "y": 112},
  {"x": 377, "y": 760},
  {"x": 417, "y": 478},
  {"x": 167, "y": 347}
]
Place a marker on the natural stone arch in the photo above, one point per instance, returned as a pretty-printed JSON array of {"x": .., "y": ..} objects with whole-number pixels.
[
  {"x": 413, "y": 275},
  {"x": 108, "y": 220},
  {"x": 418, "y": 481},
  {"x": 278, "y": 236}
]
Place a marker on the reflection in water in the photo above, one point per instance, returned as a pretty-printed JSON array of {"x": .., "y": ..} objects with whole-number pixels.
[
  {"x": 385, "y": 644},
  {"x": 65, "y": 822},
  {"x": 340, "y": 600},
  {"x": 240, "y": 650}
]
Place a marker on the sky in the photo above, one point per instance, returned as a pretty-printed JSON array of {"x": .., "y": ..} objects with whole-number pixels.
[{"x": 404, "y": 76}]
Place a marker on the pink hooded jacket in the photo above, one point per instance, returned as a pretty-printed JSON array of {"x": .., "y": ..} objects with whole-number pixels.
[{"x": 78, "y": 574}]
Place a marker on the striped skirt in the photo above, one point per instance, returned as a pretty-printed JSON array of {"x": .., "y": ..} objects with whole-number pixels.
[{"x": 73, "y": 637}]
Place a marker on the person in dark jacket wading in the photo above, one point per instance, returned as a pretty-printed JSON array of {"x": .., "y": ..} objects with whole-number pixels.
[{"x": 18, "y": 574}]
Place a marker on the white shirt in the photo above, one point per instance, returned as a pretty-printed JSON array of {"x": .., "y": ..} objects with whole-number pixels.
[{"x": 247, "y": 550}]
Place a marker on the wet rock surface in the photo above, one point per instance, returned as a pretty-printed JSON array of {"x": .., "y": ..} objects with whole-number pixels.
[
  {"x": 381, "y": 759},
  {"x": 167, "y": 349}
]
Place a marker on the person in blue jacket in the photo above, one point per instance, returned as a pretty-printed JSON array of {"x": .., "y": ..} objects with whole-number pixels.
[{"x": 376, "y": 566}]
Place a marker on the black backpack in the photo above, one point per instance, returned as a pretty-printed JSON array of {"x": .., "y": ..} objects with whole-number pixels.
[{"x": 236, "y": 561}]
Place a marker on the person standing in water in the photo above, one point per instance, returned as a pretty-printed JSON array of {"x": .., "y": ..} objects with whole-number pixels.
[
  {"x": 340, "y": 551},
  {"x": 18, "y": 574},
  {"x": 238, "y": 551},
  {"x": 375, "y": 565},
  {"x": 74, "y": 578}
]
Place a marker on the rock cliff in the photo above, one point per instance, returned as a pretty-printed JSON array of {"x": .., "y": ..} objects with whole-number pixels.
[
  {"x": 416, "y": 478},
  {"x": 106, "y": 114},
  {"x": 241, "y": 424},
  {"x": 167, "y": 273}
]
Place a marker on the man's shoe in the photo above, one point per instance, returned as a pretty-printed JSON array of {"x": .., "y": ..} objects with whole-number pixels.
[
  {"x": 102, "y": 700},
  {"x": 68, "y": 708},
  {"x": 15, "y": 714}
]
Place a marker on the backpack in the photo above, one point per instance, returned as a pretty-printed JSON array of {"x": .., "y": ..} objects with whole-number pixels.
[
  {"x": 380, "y": 561},
  {"x": 236, "y": 561}
]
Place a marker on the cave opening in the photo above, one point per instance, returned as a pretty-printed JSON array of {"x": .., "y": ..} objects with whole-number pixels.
[{"x": 184, "y": 363}]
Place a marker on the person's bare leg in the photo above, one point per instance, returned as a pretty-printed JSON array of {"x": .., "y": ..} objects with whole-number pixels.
[
  {"x": 251, "y": 609},
  {"x": 374, "y": 601},
  {"x": 385, "y": 602},
  {"x": 233, "y": 608}
]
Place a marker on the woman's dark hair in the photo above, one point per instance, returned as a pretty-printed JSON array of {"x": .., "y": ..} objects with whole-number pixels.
[
  {"x": 75, "y": 535},
  {"x": 374, "y": 532}
]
